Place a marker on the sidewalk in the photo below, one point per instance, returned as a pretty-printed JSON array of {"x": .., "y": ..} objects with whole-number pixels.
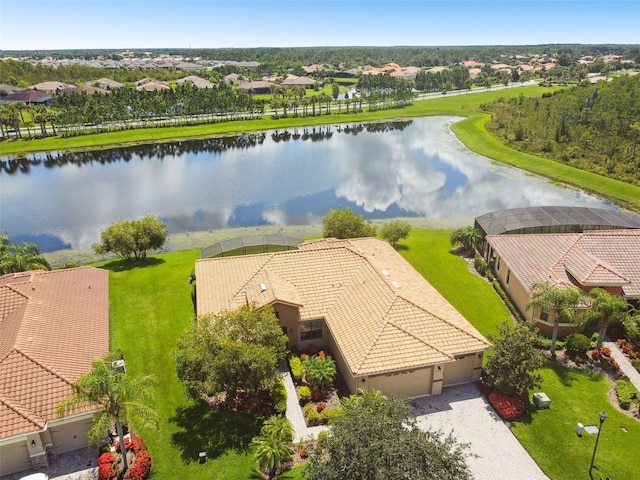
[
  {"x": 625, "y": 365},
  {"x": 294, "y": 412}
]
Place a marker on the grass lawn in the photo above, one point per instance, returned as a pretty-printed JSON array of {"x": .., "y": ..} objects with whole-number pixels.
[
  {"x": 429, "y": 253},
  {"x": 150, "y": 306},
  {"x": 549, "y": 435}
]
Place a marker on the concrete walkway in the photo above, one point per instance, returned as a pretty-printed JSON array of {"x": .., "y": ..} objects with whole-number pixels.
[
  {"x": 625, "y": 365},
  {"x": 294, "y": 413},
  {"x": 496, "y": 452}
]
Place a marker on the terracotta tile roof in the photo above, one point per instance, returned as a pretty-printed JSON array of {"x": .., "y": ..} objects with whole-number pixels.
[
  {"x": 382, "y": 314},
  {"x": 52, "y": 325},
  {"x": 593, "y": 258}
]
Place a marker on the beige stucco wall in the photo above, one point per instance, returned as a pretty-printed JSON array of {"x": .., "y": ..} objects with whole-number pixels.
[
  {"x": 520, "y": 297},
  {"x": 14, "y": 456}
]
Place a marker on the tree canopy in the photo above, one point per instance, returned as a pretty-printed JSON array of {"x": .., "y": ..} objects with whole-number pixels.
[
  {"x": 232, "y": 352},
  {"x": 20, "y": 257},
  {"x": 513, "y": 367},
  {"x": 605, "y": 309},
  {"x": 468, "y": 237},
  {"x": 130, "y": 239},
  {"x": 378, "y": 438},
  {"x": 344, "y": 223},
  {"x": 395, "y": 230}
]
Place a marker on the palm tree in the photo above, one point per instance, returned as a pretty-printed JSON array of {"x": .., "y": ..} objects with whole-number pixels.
[
  {"x": 20, "y": 258},
  {"x": 563, "y": 300},
  {"x": 119, "y": 395},
  {"x": 273, "y": 445},
  {"x": 468, "y": 237},
  {"x": 605, "y": 308}
]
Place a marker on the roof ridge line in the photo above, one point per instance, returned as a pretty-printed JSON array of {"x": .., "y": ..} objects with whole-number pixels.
[
  {"x": 563, "y": 256},
  {"x": 384, "y": 323},
  {"x": 447, "y": 321},
  {"x": 601, "y": 263},
  {"x": 41, "y": 365},
  {"x": 22, "y": 412},
  {"x": 251, "y": 277}
]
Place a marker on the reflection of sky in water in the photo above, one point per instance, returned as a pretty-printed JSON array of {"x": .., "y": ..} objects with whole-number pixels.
[{"x": 420, "y": 171}]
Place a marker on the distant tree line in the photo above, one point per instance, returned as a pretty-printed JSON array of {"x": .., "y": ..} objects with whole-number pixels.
[{"x": 595, "y": 127}]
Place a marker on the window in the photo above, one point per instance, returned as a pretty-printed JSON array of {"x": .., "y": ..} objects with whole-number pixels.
[
  {"x": 544, "y": 313},
  {"x": 498, "y": 264},
  {"x": 508, "y": 276},
  {"x": 310, "y": 330}
]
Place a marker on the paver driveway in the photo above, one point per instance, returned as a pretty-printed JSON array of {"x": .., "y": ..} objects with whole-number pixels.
[{"x": 463, "y": 410}]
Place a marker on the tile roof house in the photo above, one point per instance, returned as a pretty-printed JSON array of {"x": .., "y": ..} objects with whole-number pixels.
[
  {"x": 609, "y": 259},
  {"x": 29, "y": 97},
  {"x": 385, "y": 325},
  {"x": 52, "y": 326},
  {"x": 196, "y": 81}
]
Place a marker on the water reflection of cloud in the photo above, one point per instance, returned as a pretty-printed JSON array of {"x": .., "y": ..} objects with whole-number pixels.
[{"x": 422, "y": 170}]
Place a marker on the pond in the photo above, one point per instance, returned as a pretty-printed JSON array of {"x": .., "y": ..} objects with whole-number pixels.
[{"x": 415, "y": 168}]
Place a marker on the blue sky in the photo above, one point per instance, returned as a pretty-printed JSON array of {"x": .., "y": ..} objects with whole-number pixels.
[{"x": 121, "y": 24}]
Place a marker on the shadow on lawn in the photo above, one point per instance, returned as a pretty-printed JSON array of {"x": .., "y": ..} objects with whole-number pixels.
[
  {"x": 567, "y": 375},
  {"x": 202, "y": 429},
  {"x": 124, "y": 265}
]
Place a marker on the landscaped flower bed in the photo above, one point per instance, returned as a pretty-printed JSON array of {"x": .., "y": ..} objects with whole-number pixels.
[
  {"x": 509, "y": 407},
  {"x": 110, "y": 464},
  {"x": 314, "y": 375}
]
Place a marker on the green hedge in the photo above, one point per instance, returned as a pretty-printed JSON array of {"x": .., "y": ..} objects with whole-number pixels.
[
  {"x": 626, "y": 392},
  {"x": 279, "y": 397},
  {"x": 295, "y": 364}
]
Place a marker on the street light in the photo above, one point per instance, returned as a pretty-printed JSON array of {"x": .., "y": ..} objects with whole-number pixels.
[{"x": 603, "y": 417}]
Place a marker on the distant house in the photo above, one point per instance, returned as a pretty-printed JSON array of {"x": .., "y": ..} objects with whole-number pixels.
[
  {"x": 294, "y": 81},
  {"x": 30, "y": 97},
  {"x": 51, "y": 87},
  {"x": 385, "y": 325},
  {"x": 231, "y": 78},
  {"x": 609, "y": 259},
  {"x": 257, "y": 87},
  {"x": 197, "y": 81},
  {"x": 189, "y": 66},
  {"x": 105, "y": 83},
  {"x": 7, "y": 89},
  {"x": 52, "y": 326}
]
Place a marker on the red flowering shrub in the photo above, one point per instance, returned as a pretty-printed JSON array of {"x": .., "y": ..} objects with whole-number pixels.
[
  {"x": 508, "y": 407},
  {"x": 141, "y": 468},
  {"x": 106, "y": 457},
  {"x": 321, "y": 354},
  {"x": 627, "y": 348},
  {"x": 303, "y": 452},
  {"x": 138, "y": 445},
  {"x": 107, "y": 466},
  {"x": 316, "y": 395},
  {"x": 320, "y": 406},
  {"x": 127, "y": 444}
]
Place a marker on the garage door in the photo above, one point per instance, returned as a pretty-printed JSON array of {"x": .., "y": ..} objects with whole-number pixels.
[
  {"x": 460, "y": 371},
  {"x": 408, "y": 383},
  {"x": 15, "y": 458},
  {"x": 70, "y": 436}
]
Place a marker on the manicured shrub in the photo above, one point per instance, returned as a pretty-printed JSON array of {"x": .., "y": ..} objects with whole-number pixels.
[
  {"x": 107, "y": 458},
  {"x": 313, "y": 417},
  {"x": 107, "y": 466},
  {"x": 304, "y": 393},
  {"x": 279, "y": 397},
  {"x": 626, "y": 392},
  {"x": 320, "y": 406},
  {"x": 295, "y": 364},
  {"x": 480, "y": 265},
  {"x": 319, "y": 371},
  {"x": 636, "y": 364},
  {"x": 138, "y": 445},
  {"x": 331, "y": 413},
  {"x": 577, "y": 343},
  {"x": 508, "y": 407}
]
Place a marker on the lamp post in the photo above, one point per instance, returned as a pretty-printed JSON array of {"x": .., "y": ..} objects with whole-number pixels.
[{"x": 603, "y": 417}]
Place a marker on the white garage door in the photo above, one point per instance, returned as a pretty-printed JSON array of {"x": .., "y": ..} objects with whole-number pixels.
[
  {"x": 460, "y": 371},
  {"x": 70, "y": 436},
  {"x": 15, "y": 458},
  {"x": 411, "y": 383}
]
